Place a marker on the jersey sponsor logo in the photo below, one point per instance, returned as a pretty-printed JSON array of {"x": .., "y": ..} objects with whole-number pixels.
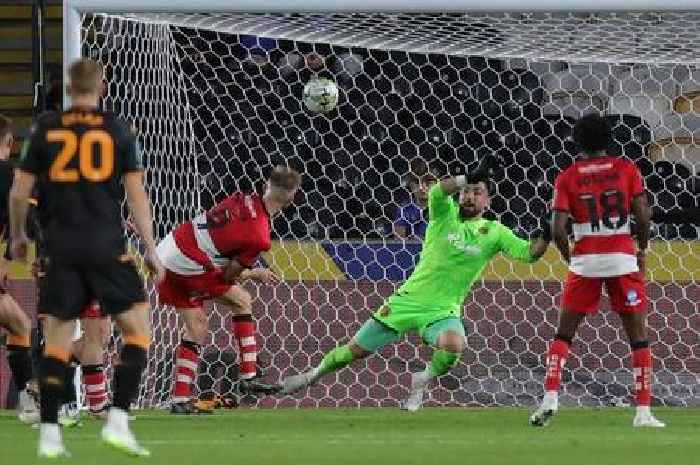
[
  {"x": 632, "y": 298},
  {"x": 583, "y": 181},
  {"x": 459, "y": 243},
  {"x": 594, "y": 168}
]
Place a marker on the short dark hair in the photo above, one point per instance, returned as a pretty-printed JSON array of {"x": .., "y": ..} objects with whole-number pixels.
[
  {"x": 478, "y": 176},
  {"x": 592, "y": 133},
  {"x": 5, "y": 126}
]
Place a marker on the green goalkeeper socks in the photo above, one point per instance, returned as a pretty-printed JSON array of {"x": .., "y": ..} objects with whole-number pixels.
[
  {"x": 441, "y": 362},
  {"x": 335, "y": 360}
]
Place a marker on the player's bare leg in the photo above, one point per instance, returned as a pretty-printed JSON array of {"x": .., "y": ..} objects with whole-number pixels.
[
  {"x": 449, "y": 346},
  {"x": 96, "y": 334},
  {"x": 54, "y": 364},
  {"x": 556, "y": 359},
  {"x": 187, "y": 361},
  {"x": 19, "y": 355},
  {"x": 635, "y": 327},
  {"x": 136, "y": 334},
  {"x": 244, "y": 330}
]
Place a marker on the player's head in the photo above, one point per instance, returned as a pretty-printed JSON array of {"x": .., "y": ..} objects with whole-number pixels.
[
  {"x": 6, "y": 138},
  {"x": 475, "y": 198},
  {"x": 282, "y": 186},
  {"x": 420, "y": 187},
  {"x": 86, "y": 79},
  {"x": 592, "y": 134}
]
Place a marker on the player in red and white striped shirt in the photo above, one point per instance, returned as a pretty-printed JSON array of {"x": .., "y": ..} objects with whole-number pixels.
[
  {"x": 600, "y": 193},
  {"x": 204, "y": 258}
]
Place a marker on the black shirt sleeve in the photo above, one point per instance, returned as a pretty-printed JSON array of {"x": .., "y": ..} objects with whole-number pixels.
[{"x": 131, "y": 156}]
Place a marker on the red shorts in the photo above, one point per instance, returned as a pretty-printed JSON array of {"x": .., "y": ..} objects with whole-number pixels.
[
  {"x": 92, "y": 310},
  {"x": 183, "y": 291},
  {"x": 582, "y": 294}
]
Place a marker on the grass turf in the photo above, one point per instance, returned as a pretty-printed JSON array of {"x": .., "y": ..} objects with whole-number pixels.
[{"x": 440, "y": 436}]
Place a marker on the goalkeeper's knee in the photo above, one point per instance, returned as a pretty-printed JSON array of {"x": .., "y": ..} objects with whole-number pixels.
[{"x": 442, "y": 362}]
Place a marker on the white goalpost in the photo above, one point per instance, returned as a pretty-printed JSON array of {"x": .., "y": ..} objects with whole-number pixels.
[{"x": 214, "y": 91}]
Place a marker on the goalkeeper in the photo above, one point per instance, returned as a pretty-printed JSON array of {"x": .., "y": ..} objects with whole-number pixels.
[{"x": 459, "y": 243}]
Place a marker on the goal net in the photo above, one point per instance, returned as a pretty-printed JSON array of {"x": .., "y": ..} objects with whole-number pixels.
[{"x": 216, "y": 100}]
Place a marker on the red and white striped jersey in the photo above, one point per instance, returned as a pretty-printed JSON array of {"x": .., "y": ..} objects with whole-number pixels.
[
  {"x": 597, "y": 193},
  {"x": 237, "y": 228}
]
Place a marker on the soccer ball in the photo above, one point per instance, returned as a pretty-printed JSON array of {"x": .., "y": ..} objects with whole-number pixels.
[{"x": 320, "y": 95}]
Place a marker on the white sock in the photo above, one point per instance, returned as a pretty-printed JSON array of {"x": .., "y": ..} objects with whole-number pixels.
[
  {"x": 551, "y": 398},
  {"x": 50, "y": 432},
  {"x": 643, "y": 410},
  {"x": 426, "y": 375},
  {"x": 118, "y": 418}
]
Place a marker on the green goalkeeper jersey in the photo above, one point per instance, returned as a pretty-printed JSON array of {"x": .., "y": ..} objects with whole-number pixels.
[{"x": 455, "y": 252}]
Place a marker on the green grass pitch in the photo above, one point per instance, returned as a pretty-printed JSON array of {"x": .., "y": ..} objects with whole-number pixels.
[{"x": 439, "y": 436}]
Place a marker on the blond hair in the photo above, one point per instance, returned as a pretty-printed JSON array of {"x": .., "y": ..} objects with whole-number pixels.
[
  {"x": 285, "y": 178},
  {"x": 85, "y": 76}
]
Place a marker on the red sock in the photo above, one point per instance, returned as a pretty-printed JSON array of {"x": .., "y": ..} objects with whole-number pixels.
[
  {"x": 186, "y": 362},
  {"x": 95, "y": 387},
  {"x": 244, "y": 330},
  {"x": 556, "y": 358},
  {"x": 641, "y": 362}
]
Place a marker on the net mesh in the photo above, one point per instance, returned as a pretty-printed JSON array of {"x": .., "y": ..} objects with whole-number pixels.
[{"x": 216, "y": 99}]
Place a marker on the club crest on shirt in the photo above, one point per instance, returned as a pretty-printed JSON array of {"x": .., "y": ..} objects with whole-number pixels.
[
  {"x": 632, "y": 298},
  {"x": 484, "y": 230},
  {"x": 459, "y": 243}
]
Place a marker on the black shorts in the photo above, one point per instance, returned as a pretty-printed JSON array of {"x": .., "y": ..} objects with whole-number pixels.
[{"x": 68, "y": 288}]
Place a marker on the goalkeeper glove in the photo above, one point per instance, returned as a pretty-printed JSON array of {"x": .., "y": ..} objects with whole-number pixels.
[{"x": 488, "y": 165}]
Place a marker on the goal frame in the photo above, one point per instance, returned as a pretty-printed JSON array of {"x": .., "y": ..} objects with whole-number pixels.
[{"x": 72, "y": 10}]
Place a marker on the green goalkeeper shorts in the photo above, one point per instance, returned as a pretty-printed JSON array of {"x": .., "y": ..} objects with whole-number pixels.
[
  {"x": 394, "y": 319},
  {"x": 403, "y": 314}
]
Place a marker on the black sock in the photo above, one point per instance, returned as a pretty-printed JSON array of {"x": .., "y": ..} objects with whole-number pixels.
[
  {"x": 127, "y": 375},
  {"x": 51, "y": 386},
  {"x": 37, "y": 348},
  {"x": 69, "y": 385},
  {"x": 20, "y": 360}
]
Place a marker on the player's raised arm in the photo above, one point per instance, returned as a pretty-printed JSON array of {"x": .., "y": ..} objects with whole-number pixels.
[{"x": 523, "y": 250}]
